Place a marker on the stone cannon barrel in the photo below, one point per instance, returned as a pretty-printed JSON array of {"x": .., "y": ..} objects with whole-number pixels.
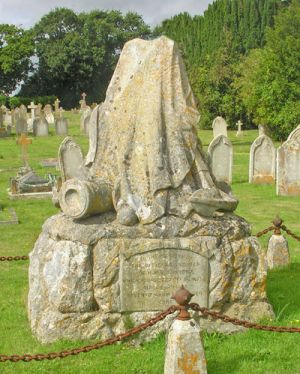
[{"x": 81, "y": 198}]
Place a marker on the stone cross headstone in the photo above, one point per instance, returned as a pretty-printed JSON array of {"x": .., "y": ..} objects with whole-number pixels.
[
  {"x": 239, "y": 126},
  {"x": 219, "y": 127},
  {"x": 262, "y": 165},
  {"x": 61, "y": 124},
  {"x": 49, "y": 114},
  {"x": 24, "y": 142},
  {"x": 220, "y": 153},
  {"x": 56, "y": 105},
  {"x": 288, "y": 165},
  {"x": 32, "y": 108}
]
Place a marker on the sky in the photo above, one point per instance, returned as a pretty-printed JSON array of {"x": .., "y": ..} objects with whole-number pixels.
[{"x": 26, "y": 13}]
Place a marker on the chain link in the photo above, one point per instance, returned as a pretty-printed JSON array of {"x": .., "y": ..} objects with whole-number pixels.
[
  {"x": 13, "y": 258},
  {"x": 265, "y": 231},
  {"x": 289, "y": 232},
  {"x": 76, "y": 351},
  {"x": 239, "y": 322}
]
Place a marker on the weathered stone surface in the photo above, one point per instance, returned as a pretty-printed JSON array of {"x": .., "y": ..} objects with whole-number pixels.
[
  {"x": 61, "y": 126},
  {"x": 227, "y": 273},
  {"x": 40, "y": 126},
  {"x": 184, "y": 352},
  {"x": 262, "y": 166},
  {"x": 71, "y": 161},
  {"x": 278, "y": 252},
  {"x": 168, "y": 221},
  {"x": 220, "y": 152},
  {"x": 219, "y": 127},
  {"x": 49, "y": 114},
  {"x": 288, "y": 165},
  {"x": 85, "y": 120}
]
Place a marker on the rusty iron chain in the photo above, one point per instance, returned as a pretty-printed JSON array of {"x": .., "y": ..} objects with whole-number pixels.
[
  {"x": 13, "y": 258},
  {"x": 265, "y": 231},
  {"x": 250, "y": 325},
  {"x": 76, "y": 351},
  {"x": 289, "y": 232}
]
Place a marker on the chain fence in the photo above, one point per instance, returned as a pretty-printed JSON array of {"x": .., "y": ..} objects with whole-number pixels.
[{"x": 151, "y": 322}]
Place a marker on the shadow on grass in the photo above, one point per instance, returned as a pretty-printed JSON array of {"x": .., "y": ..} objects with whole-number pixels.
[{"x": 284, "y": 292}]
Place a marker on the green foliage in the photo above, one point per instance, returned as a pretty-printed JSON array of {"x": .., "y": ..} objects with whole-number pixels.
[
  {"x": 270, "y": 81},
  {"x": 212, "y": 46},
  {"x": 16, "y": 48},
  {"x": 78, "y": 53}
]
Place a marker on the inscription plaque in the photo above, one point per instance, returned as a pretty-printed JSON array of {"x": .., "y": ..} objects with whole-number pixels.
[{"x": 149, "y": 279}]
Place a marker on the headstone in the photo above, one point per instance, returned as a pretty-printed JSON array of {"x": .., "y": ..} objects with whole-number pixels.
[
  {"x": 49, "y": 114},
  {"x": 219, "y": 127},
  {"x": 288, "y": 166},
  {"x": 82, "y": 102},
  {"x": 278, "y": 251},
  {"x": 61, "y": 124},
  {"x": 40, "y": 126},
  {"x": 71, "y": 160},
  {"x": 262, "y": 165},
  {"x": 21, "y": 120},
  {"x": 85, "y": 120},
  {"x": 239, "y": 126},
  {"x": 56, "y": 108},
  {"x": 134, "y": 222},
  {"x": 32, "y": 108},
  {"x": 220, "y": 152},
  {"x": 261, "y": 130}
]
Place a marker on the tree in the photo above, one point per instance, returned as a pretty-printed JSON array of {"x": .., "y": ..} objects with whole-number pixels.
[
  {"x": 78, "y": 53},
  {"x": 16, "y": 48},
  {"x": 270, "y": 81}
]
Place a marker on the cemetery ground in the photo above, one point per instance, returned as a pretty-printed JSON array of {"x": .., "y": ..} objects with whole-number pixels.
[{"x": 250, "y": 352}]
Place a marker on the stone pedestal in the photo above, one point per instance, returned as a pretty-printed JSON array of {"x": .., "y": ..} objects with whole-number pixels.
[
  {"x": 185, "y": 352},
  {"x": 95, "y": 278},
  {"x": 278, "y": 252}
]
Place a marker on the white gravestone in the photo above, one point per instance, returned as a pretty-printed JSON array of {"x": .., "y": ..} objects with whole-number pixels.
[
  {"x": 49, "y": 114},
  {"x": 219, "y": 127},
  {"x": 262, "y": 166},
  {"x": 288, "y": 166},
  {"x": 239, "y": 126},
  {"x": 85, "y": 120},
  {"x": 32, "y": 108},
  {"x": 220, "y": 152}
]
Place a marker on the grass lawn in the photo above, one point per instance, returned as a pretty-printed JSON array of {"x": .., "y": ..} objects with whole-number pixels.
[{"x": 251, "y": 352}]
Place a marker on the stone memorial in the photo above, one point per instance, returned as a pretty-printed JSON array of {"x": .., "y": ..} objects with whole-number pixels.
[
  {"x": 239, "y": 126},
  {"x": 219, "y": 127},
  {"x": 49, "y": 114},
  {"x": 61, "y": 123},
  {"x": 262, "y": 165},
  {"x": 220, "y": 153},
  {"x": 21, "y": 120},
  {"x": 85, "y": 119},
  {"x": 56, "y": 108},
  {"x": 141, "y": 215},
  {"x": 32, "y": 108},
  {"x": 82, "y": 102},
  {"x": 288, "y": 166},
  {"x": 40, "y": 125},
  {"x": 27, "y": 184}
]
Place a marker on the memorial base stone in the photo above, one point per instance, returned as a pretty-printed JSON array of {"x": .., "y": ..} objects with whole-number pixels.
[
  {"x": 96, "y": 278},
  {"x": 278, "y": 252}
]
